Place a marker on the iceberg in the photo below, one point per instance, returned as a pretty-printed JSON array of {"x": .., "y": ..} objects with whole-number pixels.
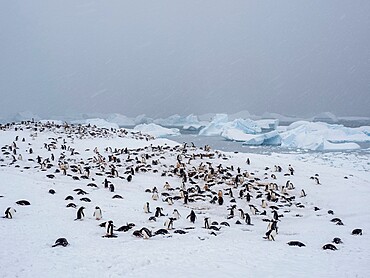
[
  {"x": 322, "y": 136},
  {"x": 157, "y": 130},
  {"x": 220, "y": 124},
  {"x": 271, "y": 138},
  {"x": 188, "y": 122}
]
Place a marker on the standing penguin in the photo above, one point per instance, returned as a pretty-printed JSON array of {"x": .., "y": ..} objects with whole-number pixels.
[
  {"x": 80, "y": 213},
  {"x": 303, "y": 193},
  {"x": 155, "y": 196},
  {"x": 247, "y": 219},
  {"x": 192, "y": 216},
  {"x": 111, "y": 187},
  {"x": 9, "y": 213},
  {"x": 176, "y": 214},
  {"x": 169, "y": 223},
  {"x": 146, "y": 208},
  {"x": 206, "y": 223},
  {"x": 158, "y": 212},
  {"x": 109, "y": 228},
  {"x": 241, "y": 214},
  {"x": 97, "y": 213}
]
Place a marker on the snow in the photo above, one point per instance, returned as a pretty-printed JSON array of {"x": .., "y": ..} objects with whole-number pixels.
[
  {"x": 157, "y": 130},
  {"x": 236, "y": 251}
]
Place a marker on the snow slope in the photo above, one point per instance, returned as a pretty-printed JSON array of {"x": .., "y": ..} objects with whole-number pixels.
[{"x": 235, "y": 251}]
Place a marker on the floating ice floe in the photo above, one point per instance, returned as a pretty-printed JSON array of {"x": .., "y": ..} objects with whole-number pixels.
[{"x": 157, "y": 130}]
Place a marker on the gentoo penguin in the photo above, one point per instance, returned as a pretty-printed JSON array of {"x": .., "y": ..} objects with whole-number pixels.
[
  {"x": 264, "y": 204},
  {"x": 176, "y": 214},
  {"x": 146, "y": 233},
  {"x": 146, "y": 208},
  {"x": 296, "y": 243},
  {"x": 97, "y": 213},
  {"x": 247, "y": 219},
  {"x": 206, "y": 223},
  {"x": 192, "y": 216},
  {"x": 9, "y": 213},
  {"x": 80, "y": 213},
  {"x": 169, "y": 223},
  {"x": 357, "y": 232},
  {"x": 109, "y": 228},
  {"x": 241, "y": 214},
  {"x": 170, "y": 201},
  {"x": 329, "y": 246},
  {"x": 303, "y": 193},
  {"x": 61, "y": 242},
  {"x": 155, "y": 196},
  {"x": 270, "y": 235},
  {"x": 220, "y": 200},
  {"x": 291, "y": 170},
  {"x": 158, "y": 212}
]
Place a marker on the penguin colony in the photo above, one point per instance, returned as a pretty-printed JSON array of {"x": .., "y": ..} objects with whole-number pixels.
[{"x": 209, "y": 189}]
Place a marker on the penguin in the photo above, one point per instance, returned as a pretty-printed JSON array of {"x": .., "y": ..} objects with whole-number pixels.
[
  {"x": 169, "y": 223},
  {"x": 111, "y": 187},
  {"x": 155, "y": 196},
  {"x": 247, "y": 219},
  {"x": 158, "y": 212},
  {"x": 206, "y": 223},
  {"x": 9, "y": 213},
  {"x": 146, "y": 234},
  {"x": 61, "y": 242},
  {"x": 192, "y": 216},
  {"x": 109, "y": 228},
  {"x": 241, "y": 214},
  {"x": 220, "y": 200},
  {"x": 170, "y": 201},
  {"x": 146, "y": 208},
  {"x": 329, "y": 246},
  {"x": 80, "y": 213},
  {"x": 106, "y": 183},
  {"x": 97, "y": 213},
  {"x": 303, "y": 193},
  {"x": 291, "y": 170},
  {"x": 270, "y": 235},
  {"x": 357, "y": 232},
  {"x": 296, "y": 243},
  {"x": 264, "y": 204},
  {"x": 176, "y": 214}
]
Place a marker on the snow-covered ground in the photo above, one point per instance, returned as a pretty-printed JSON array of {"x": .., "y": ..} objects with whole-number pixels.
[{"x": 236, "y": 251}]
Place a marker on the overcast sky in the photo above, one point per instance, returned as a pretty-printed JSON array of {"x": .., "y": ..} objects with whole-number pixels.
[{"x": 165, "y": 57}]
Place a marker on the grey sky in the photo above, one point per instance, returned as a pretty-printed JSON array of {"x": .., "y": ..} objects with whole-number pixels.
[{"x": 165, "y": 57}]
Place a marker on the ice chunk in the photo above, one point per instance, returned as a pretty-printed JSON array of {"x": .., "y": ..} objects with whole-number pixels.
[{"x": 157, "y": 130}]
